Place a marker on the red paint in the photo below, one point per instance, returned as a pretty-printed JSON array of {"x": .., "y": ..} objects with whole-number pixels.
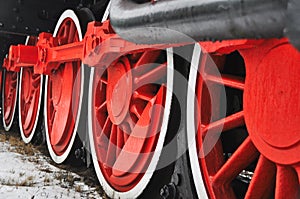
[
  {"x": 119, "y": 90},
  {"x": 218, "y": 175},
  {"x": 271, "y": 100},
  {"x": 126, "y": 124},
  {"x": 99, "y": 47},
  {"x": 63, "y": 91},
  {"x": 9, "y": 95},
  {"x": 271, "y": 114},
  {"x": 227, "y": 47},
  {"x": 29, "y": 96}
]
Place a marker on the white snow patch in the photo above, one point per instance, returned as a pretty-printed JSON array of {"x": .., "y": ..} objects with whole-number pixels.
[{"x": 33, "y": 177}]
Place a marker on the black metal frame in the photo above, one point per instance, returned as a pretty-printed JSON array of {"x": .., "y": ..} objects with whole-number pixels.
[
  {"x": 30, "y": 17},
  {"x": 173, "y": 21},
  {"x": 19, "y": 18}
]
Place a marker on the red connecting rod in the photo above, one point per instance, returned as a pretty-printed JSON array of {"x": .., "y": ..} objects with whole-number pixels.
[{"x": 100, "y": 47}]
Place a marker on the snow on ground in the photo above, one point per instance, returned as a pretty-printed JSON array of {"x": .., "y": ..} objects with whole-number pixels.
[{"x": 33, "y": 177}]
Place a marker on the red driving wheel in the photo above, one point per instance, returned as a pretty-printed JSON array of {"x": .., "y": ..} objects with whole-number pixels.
[
  {"x": 63, "y": 93},
  {"x": 9, "y": 97},
  {"x": 128, "y": 106},
  {"x": 224, "y": 154},
  {"x": 30, "y": 97}
]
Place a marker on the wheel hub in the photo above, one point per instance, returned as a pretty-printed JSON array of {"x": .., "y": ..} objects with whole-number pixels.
[
  {"x": 119, "y": 90},
  {"x": 271, "y": 104}
]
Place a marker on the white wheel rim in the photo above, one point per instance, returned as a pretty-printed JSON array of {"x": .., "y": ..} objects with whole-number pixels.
[{"x": 191, "y": 130}]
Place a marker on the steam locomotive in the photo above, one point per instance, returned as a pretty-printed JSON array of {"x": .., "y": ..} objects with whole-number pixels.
[{"x": 164, "y": 98}]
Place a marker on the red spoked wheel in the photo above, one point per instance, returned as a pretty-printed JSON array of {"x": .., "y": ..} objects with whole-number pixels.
[
  {"x": 9, "y": 98},
  {"x": 30, "y": 97},
  {"x": 63, "y": 93},
  {"x": 129, "y": 107},
  {"x": 226, "y": 162}
]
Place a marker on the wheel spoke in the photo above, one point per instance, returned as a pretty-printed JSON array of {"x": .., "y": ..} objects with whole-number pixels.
[
  {"x": 225, "y": 191},
  {"x": 263, "y": 182},
  {"x": 120, "y": 141},
  {"x": 147, "y": 57},
  {"x": 151, "y": 77},
  {"x": 106, "y": 130},
  {"x": 228, "y": 123},
  {"x": 25, "y": 108},
  {"x": 287, "y": 183},
  {"x": 63, "y": 36},
  {"x": 36, "y": 80},
  {"x": 143, "y": 96},
  {"x": 240, "y": 159},
  {"x": 111, "y": 149},
  {"x": 71, "y": 32},
  {"x": 102, "y": 106},
  {"x": 52, "y": 117},
  {"x": 227, "y": 80},
  {"x": 214, "y": 158},
  {"x": 7, "y": 112},
  {"x": 57, "y": 133},
  {"x": 134, "y": 110},
  {"x": 103, "y": 80},
  {"x": 29, "y": 113},
  {"x": 133, "y": 147}
]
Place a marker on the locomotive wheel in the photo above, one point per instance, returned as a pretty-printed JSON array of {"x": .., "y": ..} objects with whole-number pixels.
[
  {"x": 9, "y": 98},
  {"x": 233, "y": 167},
  {"x": 29, "y": 103},
  {"x": 129, "y": 109},
  {"x": 63, "y": 93}
]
